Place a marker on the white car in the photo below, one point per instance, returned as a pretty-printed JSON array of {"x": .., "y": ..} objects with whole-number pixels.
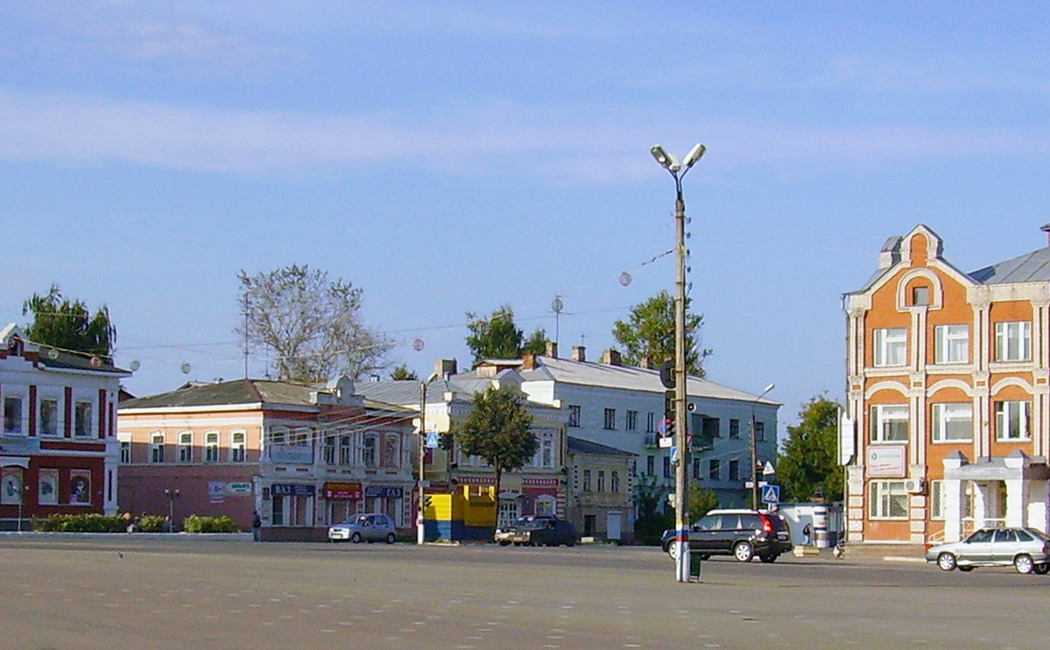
[
  {"x": 373, "y": 527},
  {"x": 1026, "y": 549}
]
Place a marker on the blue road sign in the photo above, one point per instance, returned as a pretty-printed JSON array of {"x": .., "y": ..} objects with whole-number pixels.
[
  {"x": 432, "y": 440},
  {"x": 771, "y": 494}
]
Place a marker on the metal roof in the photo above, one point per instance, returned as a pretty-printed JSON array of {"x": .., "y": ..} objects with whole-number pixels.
[{"x": 1031, "y": 267}]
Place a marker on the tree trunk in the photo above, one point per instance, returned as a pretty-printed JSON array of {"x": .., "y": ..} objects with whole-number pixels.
[{"x": 499, "y": 478}]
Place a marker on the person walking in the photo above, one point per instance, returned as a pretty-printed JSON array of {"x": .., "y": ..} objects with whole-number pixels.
[{"x": 256, "y": 526}]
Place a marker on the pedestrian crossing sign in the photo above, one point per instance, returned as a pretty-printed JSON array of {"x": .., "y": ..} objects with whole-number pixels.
[{"x": 771, "y": 494}]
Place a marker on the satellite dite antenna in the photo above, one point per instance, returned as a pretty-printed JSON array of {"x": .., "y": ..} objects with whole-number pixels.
[{"x": 557, "y": 305}]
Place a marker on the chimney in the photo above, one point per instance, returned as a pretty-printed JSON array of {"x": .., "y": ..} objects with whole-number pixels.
[
  {"x": 611, "y": 358},
  {"x": 528, "y": 361},
  {"x": 647, "y": 362},
  {"x": 445, "y": 367},
  {"x": 579, "y": 353},
  {"x": 552, "y": 348},
  {"x": 1046, "y": 229}
]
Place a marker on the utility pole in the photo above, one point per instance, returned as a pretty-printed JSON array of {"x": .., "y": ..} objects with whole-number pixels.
[{"x": 681, "y": 482}]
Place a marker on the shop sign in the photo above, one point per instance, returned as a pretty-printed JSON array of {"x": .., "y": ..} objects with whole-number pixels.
[
  {"x": 239, "y": 489},
  {"x": 886, "y": 461},
  {"x": 380, "y": 492},
  {"x": 290, "y": 490},
  {"x": 294, "y": 454},
  {"x": 351, "y": 491}
]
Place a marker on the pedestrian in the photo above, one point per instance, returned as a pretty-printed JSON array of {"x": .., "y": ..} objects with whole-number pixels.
[
  {"x": 807, "y": 532},
  {"x": 256, "y": 526}
]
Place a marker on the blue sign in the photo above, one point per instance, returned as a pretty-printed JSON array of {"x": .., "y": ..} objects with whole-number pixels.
[
  {"x": 771, "y": 494},
  {"x": 432, "y": 440},
  {"x": 291, "y": 489},
  {"x": 378, "y": 491}
]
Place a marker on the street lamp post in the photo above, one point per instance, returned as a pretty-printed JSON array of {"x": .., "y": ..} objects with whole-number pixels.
[
  {"x": 421, "y": 512},
  {"x": 681, "y": 483},
  {"x": 754, "y": 449},
  {"x": 172, "y": 494}
]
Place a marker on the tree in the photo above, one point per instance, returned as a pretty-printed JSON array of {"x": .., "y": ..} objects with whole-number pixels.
[
  {"x": 310, "y": 323},
  {"x": 809, "y": 459},
  {"x": 497, "y": 429},
  {"x": 69, "y": 325},
  {"x": 497, "y": 337},
  {"x": 650, "y": 332},
  {"x": 402, "y": 373},
  {"x": 701, "y": 500},
  {"x": 652, "y": 520}
]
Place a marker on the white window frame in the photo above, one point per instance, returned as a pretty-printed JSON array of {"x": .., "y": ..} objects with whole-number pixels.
[
  {"x": 937, "y": 500},
  {"x": 41, "y": 417},
  {"x": 650, "y": 422},
  {"x": 47, "y": 487},
  {"x": 942, "y": 417},
  {"x": 631, "y": 421},
  {"x": 614, "y": 481},
  {"x": 1013, "y": 341},
  {"x": 609, "y": 419},
  {"x": 1009, "y": 413},
  {"x": 574, "y": 415},
  {"x": 952, "y": 344},
  {"x": 331, "y": 441},
  {"x": 238, "y": 445},
  {"x": 12, "y": 487},
  {"x": 82, "y": 429},
  {"x": 156, "y": 448},
  {"x": 346, "y": 449},
  {"x": 125, "y": 452},
  {"x": 370, "y": 450},
  {"x": 885, "y": 414},
  {"x": 391, "y": 451},
  {"x": 15, "y": 423},
  {"x": 600, "y": 484},
  {"x": 586, "y": 480},
  {"x": 211, "y": 447},
  {"x": 888, "y": 500},
  {"x": 891, "y": 346},
  {"x": 185, "y": 446}
]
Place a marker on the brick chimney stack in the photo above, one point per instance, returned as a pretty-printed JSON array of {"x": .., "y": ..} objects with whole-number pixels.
[{"x": 579, "y": 353}]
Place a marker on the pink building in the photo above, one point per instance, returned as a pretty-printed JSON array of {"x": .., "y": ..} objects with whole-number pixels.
[{"x": 301, "y": 456}]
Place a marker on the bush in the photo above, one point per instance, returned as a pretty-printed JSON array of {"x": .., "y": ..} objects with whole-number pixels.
[
  {"x": 152, "y": 524},
  {"x": 198, "y": 524},
  {"x": 648, "y": 529},
  {"x": 86, "y": 523}
]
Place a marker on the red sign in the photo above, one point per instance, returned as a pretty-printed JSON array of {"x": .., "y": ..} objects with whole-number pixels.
[{"x": 351, "y": 491}]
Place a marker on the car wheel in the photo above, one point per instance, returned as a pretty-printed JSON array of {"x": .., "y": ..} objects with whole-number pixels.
[
  {"x": 356, "y": 538},
  {"x": 743, "y": 552},
  {"x": 768, "y": 559},
  {"x": 672, "y": 550},
  {"x": 1024, "y": 564},
  {"x": 504, "y": 542},
  {"x": 966, "y": 569},
  {"x": 390, "y": 538},
  {"x": 946, "y": 561},
  {"x": 1042, "y": 569}
]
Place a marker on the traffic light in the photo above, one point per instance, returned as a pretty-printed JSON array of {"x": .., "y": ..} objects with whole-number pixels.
[{"x": 669, "y": 413}]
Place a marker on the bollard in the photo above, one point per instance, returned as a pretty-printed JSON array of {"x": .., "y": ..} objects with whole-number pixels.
[{"x": 694, "y": 565}]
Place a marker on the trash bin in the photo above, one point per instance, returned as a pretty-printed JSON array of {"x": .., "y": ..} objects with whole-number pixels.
[{"x": 694, "y": 565}]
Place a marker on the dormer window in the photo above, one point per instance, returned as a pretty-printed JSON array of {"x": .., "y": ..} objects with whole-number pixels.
[{"x": 16, "y": 347}]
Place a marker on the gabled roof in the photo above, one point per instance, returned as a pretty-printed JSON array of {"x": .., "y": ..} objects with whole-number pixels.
[
  {"x": 55, "y": 359},
  {"x": 1031, "y": 267},
  {"x": 589, "y": 373},
  {"x": 581, "y": 446},
  {"x": 229, "y": 393}
]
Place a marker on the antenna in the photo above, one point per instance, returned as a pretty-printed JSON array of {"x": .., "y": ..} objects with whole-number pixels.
[{"x": 557, "y": 305}]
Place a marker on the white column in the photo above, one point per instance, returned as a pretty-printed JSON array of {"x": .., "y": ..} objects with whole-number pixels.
[{"x": 953, "y": 510}]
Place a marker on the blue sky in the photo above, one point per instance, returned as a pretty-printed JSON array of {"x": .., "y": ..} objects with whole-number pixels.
[{"x": 451, "y": 157}]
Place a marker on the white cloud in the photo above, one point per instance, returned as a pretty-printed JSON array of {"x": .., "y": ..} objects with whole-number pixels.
[{"x": 570, "y": 146}]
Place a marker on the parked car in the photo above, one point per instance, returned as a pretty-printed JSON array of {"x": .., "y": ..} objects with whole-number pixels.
[
  {"x": 542, "y": 530},
  {"x": 740, "y": 533},
  {"x": 373, "y": 527},
  {"x": 1027, "y": 549}
]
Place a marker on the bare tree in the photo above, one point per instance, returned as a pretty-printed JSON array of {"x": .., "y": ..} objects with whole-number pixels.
[{"x": 311, "y": 324}]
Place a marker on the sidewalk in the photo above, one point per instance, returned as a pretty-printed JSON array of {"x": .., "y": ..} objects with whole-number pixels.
[{"x": 867, "y": 552}]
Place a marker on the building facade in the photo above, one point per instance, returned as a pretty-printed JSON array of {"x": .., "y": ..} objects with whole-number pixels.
[
  {"x": 301, "y": 456},
  {"x": 58, "y": 446},
  {"x": 623, "y": 407},
  {"x": 537, "y": 488},
  {"x": 946, "y": 426},
  {"x": 600, "y": 498}
]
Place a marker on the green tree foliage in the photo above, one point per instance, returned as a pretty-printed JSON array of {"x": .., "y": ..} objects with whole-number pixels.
[
  {"x": 69, "y": 325},
  {"x": 652, "y": 520},
  {"x": 701, "y": 500},
  {"x": 809, "y": 459},
  {"x": 649, "y": 332},
  {"x": 402, "y": 373},
  {"x": 311, "y": 324},
  {"x": 498, "y": 337},
  {"x": 497, "y": 429}
]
